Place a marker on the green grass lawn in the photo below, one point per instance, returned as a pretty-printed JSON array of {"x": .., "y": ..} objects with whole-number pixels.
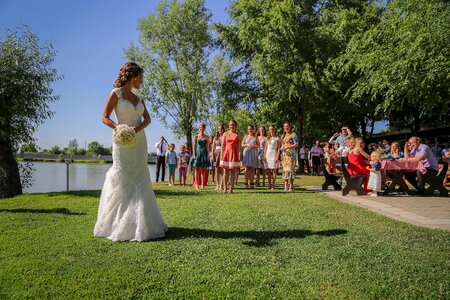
[{"x": 251, "y": 244}]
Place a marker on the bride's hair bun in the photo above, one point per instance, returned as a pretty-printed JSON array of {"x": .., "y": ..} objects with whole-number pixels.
[{"x": 126, "y": 72}]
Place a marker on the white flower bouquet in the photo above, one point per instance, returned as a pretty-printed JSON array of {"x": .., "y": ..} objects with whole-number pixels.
[{"x": 124, "y": 135}]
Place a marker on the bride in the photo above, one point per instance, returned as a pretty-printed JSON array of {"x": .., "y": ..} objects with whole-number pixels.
[{"x": 128, "y": 210}]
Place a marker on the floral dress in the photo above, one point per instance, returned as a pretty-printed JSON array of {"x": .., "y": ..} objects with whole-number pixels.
[{"x": 287, "y": 157}]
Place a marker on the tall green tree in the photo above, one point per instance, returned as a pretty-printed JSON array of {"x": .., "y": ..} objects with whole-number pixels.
[
  {"x": 285, "y": 45},
  {"x": 25, "y": 95},
  {"x": 29, "y": 148},
  {"x": 55, "y": 150},
  {"x": 95, "y": 148},
  {"x": 404, "y": 61},
  {"x": 338, "y": 25},
  {"x": 72, "y": 146},
  {"x": 234, "y": 92},
  {"x": 174, "y": 46}
]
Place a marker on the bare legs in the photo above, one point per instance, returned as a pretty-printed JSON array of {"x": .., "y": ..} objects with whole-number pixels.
[
  {"x": 219, "y": 176},
  {"x": 260, "y": 171},
  {"x": 200, "y": 177},
  {"x": 229, "y": 179},
  {"x": 182, "y": 180},
  {"x": 249, "y": 176},
  {"x": 272, "y": 176}
]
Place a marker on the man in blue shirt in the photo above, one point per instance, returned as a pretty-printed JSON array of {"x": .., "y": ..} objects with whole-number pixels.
[
  {"x": 415, "y": 150},
  {"x": 341, "y": 138}
]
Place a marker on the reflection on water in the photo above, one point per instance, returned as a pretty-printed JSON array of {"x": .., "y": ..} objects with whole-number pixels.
[{"x": 51, "y": 176}]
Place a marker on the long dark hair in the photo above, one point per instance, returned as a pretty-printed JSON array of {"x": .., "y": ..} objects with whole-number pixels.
[
  {"x": 217, "y": 131},
  {"x": 126, "y": 72},
  {"x": 263, "y": 127}
]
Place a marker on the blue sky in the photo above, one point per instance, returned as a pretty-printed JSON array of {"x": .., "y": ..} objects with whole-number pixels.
[{"x": 89, "y": 37}]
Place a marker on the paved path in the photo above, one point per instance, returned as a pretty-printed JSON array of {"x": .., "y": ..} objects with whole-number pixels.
[{"x": 431, "y": 212}]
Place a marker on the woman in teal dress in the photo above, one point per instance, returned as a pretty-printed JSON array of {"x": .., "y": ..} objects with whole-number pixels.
[{"x": 201, "y": 157}]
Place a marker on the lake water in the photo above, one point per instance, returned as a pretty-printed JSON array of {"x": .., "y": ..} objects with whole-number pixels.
[{"x": 51, "y": 176}]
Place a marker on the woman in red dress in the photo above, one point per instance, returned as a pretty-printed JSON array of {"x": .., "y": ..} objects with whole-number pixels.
[
  {"x": 230, "y": 155},
  {"x": 356, "y": 163}
]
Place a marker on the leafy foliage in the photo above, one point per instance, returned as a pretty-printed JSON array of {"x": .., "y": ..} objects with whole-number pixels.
[
  {"x": 95, "y": 148},
  {"x": 288, "y": 45},
  {"x": 25, "y": 92},
  {"x": 25, "y": 96},
  {"x": 29, "y": 148},
  {"x": 174, "y": 45},
  {"x": 72, "y": 146},
  {"x": 402, "y": 63}
]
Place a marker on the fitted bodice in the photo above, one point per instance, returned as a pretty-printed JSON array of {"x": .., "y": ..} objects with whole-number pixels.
[
  {"x": 126, "y": 112},
  {"x": 201, "y": 145},
  {"x": 251, "y": 140},
  {"x": 272, "y": 144}
]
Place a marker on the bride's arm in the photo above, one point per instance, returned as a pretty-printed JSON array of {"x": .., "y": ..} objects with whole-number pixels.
[
  {"x": 147, "y": 120},
  {"x": 111, "y": 103}
]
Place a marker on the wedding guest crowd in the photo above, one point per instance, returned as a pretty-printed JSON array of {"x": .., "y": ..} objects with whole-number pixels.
[{"x": 263, "y": 154}]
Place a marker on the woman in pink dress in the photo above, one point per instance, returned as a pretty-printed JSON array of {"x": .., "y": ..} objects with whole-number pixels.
[
  {"x": 230, "y": 157},
  {"x": 356, "y": 163}
]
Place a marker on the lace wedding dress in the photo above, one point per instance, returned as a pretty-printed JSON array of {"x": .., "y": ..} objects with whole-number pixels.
[{"x": 128, "y": 210}]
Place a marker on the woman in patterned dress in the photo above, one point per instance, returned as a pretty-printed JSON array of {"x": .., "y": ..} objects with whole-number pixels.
[{"x": 288, "y": 146}]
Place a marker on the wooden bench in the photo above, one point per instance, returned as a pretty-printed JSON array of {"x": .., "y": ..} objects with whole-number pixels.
[
  {"x": 330, "y": 179},
  {"x": 447, "y": 182},
  {"x": 436, "y": 183},
  {"x": 353, "y": 183}
]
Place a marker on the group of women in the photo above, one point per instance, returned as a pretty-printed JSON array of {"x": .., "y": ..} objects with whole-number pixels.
[{"x": 258, "y": 152}]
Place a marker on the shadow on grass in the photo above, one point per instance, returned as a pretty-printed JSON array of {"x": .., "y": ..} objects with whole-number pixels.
[
  {"x": 82, "y": 193},
  {"x": 275, "y": 191},
  {"x": 255, "y": 238},
  {"x": 63, "y": 211},
  {"x": 177, "y": 192}
]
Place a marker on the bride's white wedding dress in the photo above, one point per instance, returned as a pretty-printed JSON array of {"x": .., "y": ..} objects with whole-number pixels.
[{"x": 128, "y": 210}]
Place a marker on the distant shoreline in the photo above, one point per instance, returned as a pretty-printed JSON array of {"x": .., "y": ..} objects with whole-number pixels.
[{"x": 87, "y": 159}]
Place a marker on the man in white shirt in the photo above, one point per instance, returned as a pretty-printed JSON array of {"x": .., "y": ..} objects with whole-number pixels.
[{"x": 161, "y": 150}]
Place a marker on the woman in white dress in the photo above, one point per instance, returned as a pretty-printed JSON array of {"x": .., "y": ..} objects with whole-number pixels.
[
  {"x": 128, "y": 210},
  {"x": 272, "y": 153}
]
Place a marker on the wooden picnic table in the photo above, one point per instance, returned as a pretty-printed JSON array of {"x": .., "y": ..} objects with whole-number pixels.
[{"x": 395, "y": 169}]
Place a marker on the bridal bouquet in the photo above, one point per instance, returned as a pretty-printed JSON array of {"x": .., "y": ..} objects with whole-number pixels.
[{"x": 124, "y": 135}]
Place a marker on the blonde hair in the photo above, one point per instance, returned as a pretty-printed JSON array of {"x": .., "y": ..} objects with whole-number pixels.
[
  {"x": 359, "y": 141},
  {"x": 375, "y": 155},
  {"x": 352, "y": 142}
]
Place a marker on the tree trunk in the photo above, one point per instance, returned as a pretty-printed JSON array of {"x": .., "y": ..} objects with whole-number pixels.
[
  {"x": 415, "y": 126},
  {"x": 299, "y": 114},
  {"x": 363, "y": 125},
  {"x": 10, "y": 185},
  {"x": 189, "y": 142},
  {"x": 372, "y": 127}
]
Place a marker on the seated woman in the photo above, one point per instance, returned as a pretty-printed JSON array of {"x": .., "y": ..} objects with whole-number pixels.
[
  {"x": 395, "y": 152},
  {"x": 356, "y": 163}
]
